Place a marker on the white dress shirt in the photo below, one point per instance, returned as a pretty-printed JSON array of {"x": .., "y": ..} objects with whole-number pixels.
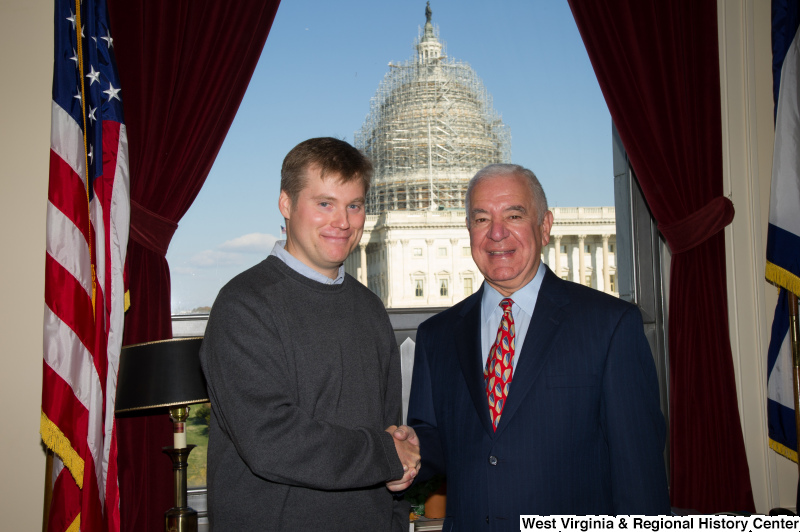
[
  {"x": 279, "y": 250},
  {"x": 522, "y": 310}
]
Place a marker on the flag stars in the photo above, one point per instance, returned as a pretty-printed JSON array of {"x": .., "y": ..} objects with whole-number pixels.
[
  {"x": 93, "y": 75},
  {"x": 74, "y": 57},
  {"x": 108, "y": 39},
  {"x": 91, "y": 154},
  {"x": 112, "y": 92},
  {"x": 92, "y": 117},
  {"x": 72, "y": 19}
]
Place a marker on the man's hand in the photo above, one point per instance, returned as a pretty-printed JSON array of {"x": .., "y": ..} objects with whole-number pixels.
[{"x": 406, "y": 443}]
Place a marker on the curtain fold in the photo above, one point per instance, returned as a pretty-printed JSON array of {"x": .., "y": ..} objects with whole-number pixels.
[
  {"x": 184, "y": 67},
  {"x": 657, "y": 64}
]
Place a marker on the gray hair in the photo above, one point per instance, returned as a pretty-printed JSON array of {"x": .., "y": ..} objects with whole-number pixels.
[{"x": 494, "y": 170}]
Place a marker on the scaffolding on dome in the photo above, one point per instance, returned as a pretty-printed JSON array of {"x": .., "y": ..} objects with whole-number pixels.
[{"x": 431, "y": 126}]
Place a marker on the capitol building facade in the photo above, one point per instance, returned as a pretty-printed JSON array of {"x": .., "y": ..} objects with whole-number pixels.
[{"x": 431, "y": 127}]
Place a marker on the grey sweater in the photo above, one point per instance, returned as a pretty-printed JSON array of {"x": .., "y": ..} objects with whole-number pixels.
[{"x": 303, "y": 379}]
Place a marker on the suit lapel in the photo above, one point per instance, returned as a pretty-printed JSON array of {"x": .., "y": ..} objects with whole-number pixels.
[
  {"x": 468, "y": 347},
  {"x": 547, "y": 318}
]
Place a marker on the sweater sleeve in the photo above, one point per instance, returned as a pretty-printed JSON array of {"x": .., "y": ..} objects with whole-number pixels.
[
  {"x": 393, "y": 408},
  {"x": 247, "y": 373}
]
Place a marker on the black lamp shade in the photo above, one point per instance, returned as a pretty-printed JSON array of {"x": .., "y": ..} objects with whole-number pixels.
[{"x": 160, "y": 374}]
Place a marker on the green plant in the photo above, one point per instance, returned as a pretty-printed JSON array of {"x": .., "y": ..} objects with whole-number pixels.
[{"x": 417, "y": 494}]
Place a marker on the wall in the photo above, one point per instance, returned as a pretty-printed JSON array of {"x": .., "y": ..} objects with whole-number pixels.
[
  {"x": 747, "y": 130},
  {"x": 26, "y": 38}
]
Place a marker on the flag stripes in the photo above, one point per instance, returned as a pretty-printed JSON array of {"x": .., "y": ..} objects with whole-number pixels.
[{"x": 88, "y": 215}]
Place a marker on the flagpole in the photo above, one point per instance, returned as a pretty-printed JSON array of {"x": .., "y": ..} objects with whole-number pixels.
[
  {"x": 794, "y": 334},
  {"x": 48, "y": 488}
]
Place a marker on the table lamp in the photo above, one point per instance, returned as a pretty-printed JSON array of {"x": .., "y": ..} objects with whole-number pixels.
[{"x": 166, "y": 375}]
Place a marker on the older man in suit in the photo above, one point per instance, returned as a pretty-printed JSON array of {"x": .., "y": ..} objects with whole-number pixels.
[{"x": 534, "y": 395}]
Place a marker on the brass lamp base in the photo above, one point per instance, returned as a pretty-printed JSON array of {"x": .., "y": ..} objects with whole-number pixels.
[{"x": 180, "y": 518}]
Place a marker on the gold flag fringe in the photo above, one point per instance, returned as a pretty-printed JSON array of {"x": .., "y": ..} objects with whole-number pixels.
[
  {"x": 783, "y": 278},
  {"x": 783, "y": 450},
  {"x": 75, "y": 526},
  {"x": 60, "y": 444}
]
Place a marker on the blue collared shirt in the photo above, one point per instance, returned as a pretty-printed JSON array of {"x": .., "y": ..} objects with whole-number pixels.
[
  {"x": 522, "y": 310},
  {"x": 279, "y": 250}
]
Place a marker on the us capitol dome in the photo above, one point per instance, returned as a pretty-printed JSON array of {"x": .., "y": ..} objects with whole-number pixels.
[{"x": 431, "y": 126}]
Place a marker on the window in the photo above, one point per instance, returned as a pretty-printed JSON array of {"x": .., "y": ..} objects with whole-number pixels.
[
  {"x": 468, "y": 286},
  {"x": 612, "y": 283},
  {"x": 587, "y": 281},
  {"x": 442, "y": 252},
  {"x": 443, "y": 287},
  {"x": 586, "y": 248},
  {"x": 611, "y": 248},
  {"x": 184, "y": 270},
  {"x": 197, "y": 426}
]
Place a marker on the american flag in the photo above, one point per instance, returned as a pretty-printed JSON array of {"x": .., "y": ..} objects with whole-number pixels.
[{"x": 88, "y": 213}]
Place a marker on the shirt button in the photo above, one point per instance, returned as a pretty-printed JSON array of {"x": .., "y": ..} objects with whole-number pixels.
[{"x": 492, "y": 461}]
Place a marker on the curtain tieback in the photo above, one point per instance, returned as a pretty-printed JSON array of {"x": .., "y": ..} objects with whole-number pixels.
[
  {"x": 699, "y": 226},
  {"x": 151, "y": 230}
]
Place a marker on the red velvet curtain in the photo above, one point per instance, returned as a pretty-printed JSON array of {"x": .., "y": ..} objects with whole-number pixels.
[
  {"x": 184, "y": 67},
  {"x": 657, "y": 63}
]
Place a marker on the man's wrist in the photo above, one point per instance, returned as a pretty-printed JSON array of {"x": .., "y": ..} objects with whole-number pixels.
[{"x": 393, "y": 461}]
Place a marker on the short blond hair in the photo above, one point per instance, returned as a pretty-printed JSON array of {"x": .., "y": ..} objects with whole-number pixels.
[{"x": 331, "y": 156}]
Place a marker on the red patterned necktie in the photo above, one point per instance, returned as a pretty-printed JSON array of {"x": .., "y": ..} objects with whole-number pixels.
[{"x": 499, "y": 369}]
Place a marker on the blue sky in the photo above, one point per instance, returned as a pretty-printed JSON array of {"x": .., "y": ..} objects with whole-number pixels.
[{"x": 322, "y": 63}]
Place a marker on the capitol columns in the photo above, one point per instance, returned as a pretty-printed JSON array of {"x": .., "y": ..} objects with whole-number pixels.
[
  {"x": 362, "y": 247},
  {"x": 582, "y": 258},
  {"x": 453, "y": 275},
  {"x": 389, "y": 265},
  {"x": 558, "y": 255},
  {"x": 403, "y": 284},
  {"x": 430, "y": 280},
  {"x": 606, "y": 266}
]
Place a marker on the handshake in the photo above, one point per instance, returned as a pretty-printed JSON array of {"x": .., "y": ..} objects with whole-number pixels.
[{"x": 406, "y": 444}]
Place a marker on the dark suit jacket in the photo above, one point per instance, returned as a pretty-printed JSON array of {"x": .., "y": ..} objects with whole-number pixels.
[{"x": 581, "y": 432}]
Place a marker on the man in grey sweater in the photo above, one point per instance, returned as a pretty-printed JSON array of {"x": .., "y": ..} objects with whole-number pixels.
[{"x": 304, "y": 373}]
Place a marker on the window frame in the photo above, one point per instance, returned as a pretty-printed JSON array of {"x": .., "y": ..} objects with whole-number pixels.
[{"x": 642, "y": 266}]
